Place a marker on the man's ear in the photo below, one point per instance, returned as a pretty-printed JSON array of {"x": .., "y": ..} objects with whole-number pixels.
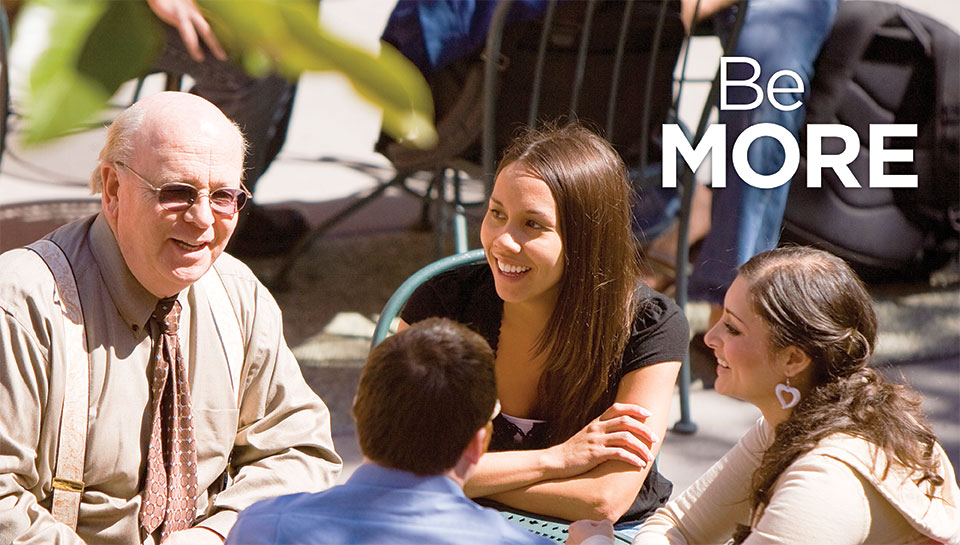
[
  {"x": 470, "y": 456},
  {"x": 110, "y": 193},
  {"x": 477, "y": 446}
]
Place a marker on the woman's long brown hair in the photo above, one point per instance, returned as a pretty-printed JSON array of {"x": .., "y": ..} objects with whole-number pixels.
[
  {"x": 586, "y": 334},
  {"x": 813, "y": 300}
]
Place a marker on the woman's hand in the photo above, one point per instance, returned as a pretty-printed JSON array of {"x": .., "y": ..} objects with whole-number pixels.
[
  {"x": 620, "y": 433},
  {"x": 582, "y": 530}
]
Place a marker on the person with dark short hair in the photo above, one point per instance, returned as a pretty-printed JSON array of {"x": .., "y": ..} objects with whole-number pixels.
[{"x": 424, "y": 410}]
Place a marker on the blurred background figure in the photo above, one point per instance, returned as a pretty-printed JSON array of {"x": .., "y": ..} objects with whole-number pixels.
[
  {"x": 744, "y": 220},
  {"x": 261, "y": 106}
]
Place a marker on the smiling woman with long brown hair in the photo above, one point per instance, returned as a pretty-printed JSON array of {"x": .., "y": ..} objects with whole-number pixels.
[{"x": 586, "y": 354}]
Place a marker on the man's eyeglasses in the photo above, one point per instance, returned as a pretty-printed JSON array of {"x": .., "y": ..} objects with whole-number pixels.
[{"x": 178, "y": 196}]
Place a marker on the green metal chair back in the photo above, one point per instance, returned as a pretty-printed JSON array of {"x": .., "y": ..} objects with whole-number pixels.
[{"x": 399, "y": 297}]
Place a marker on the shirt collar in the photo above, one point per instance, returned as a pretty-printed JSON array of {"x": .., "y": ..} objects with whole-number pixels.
[
  {"x": 372, "y": 474},
  {"x": 132, "y": 300}
]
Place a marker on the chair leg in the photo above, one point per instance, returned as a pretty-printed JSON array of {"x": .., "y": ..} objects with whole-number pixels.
[
  {"x": 174, "y": 82},
  {"x": 459, "y": 216},
  {"x": 685, "y": 425},
  {"x": 428, "y": 200},
  {"x": 137, "y": 90},
  {"x": 460, "y": 230},
  {"x": 442, "y": 226}
]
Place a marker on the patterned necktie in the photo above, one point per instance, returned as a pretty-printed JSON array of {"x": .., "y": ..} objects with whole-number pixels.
[{"x": 171, "y": 485}]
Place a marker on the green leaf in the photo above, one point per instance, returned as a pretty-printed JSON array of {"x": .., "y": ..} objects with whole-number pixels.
[
  {"x": 286, "y": 32},
  {"x": 94, "y": 46}
]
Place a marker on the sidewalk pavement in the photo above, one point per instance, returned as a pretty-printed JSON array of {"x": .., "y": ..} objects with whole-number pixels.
[{"x": 340, "y": 286}]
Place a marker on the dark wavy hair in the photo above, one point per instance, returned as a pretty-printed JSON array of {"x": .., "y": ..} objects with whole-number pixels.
[
  {"x": 585, "y": 336},
  {"x": 423, "y": 393},
  {"x": 811, "y": 299}
]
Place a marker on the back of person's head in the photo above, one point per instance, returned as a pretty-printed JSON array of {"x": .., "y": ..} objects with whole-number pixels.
[
  {"x": 589, "y": 183},
  {"x": 814, "y": 301},
  {"x": 423, "y": 395}
]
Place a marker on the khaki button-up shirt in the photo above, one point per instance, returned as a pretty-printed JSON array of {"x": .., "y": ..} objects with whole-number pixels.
[{"x": 276, "y": 442}]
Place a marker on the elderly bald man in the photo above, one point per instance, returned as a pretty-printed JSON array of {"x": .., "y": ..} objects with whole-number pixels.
[{"x": 169, "y": 400}]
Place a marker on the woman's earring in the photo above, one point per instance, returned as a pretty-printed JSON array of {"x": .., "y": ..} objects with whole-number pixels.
[{"x": 794, "y": 394}]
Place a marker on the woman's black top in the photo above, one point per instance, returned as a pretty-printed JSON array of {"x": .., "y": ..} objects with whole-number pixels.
[{"x": 468, "y": 295}]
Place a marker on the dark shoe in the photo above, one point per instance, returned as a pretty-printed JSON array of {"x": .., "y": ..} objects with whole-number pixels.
[
  {"x": 703, "y": 363},
  {"x": 265, "y": 232}
]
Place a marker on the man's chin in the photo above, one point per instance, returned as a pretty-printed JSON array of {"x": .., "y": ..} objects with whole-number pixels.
[{"x": 190, "y": 273}]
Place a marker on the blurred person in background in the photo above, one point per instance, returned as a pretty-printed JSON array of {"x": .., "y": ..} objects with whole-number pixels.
[{"x": 261, "y": 106}]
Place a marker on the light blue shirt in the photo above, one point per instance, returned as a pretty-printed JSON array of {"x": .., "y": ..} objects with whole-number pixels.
[{"x": 379, "y": 506}]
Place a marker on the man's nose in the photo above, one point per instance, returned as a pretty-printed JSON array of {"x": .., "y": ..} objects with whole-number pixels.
[{"x": 200, "y": 213}]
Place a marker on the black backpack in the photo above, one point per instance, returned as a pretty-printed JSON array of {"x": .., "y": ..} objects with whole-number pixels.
[{"x": 883, "y": 63}]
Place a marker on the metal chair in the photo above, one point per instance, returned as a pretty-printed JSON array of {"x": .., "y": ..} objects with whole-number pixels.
[
  {"x": 565, "y": 44},
  {"x": 649, "y": 35},
  {"x": 518, "y": 61},
  {"x": 665, "y": 39},
  {"x": 685, "y": 424},
  {"x": 459, "y": 157},
  {"x": 538, "y": 62}
]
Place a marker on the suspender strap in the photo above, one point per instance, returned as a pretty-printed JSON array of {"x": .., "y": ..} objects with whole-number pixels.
[
  {"x": 68, "y": 481},
  {"x": 228, "y": 325}
]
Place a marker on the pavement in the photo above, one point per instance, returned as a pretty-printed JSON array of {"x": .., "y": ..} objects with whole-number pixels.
[{"x": 344, "y": 279}]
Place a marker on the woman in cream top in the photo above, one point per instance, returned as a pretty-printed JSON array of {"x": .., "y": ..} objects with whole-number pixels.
[{"x": 841, "y": 455}]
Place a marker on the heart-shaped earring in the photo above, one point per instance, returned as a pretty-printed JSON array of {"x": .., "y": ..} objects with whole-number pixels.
[{"x": 794, "y": 394}]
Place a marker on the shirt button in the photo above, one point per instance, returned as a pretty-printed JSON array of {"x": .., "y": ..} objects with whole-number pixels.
[{"x": 136, "y": 327}]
